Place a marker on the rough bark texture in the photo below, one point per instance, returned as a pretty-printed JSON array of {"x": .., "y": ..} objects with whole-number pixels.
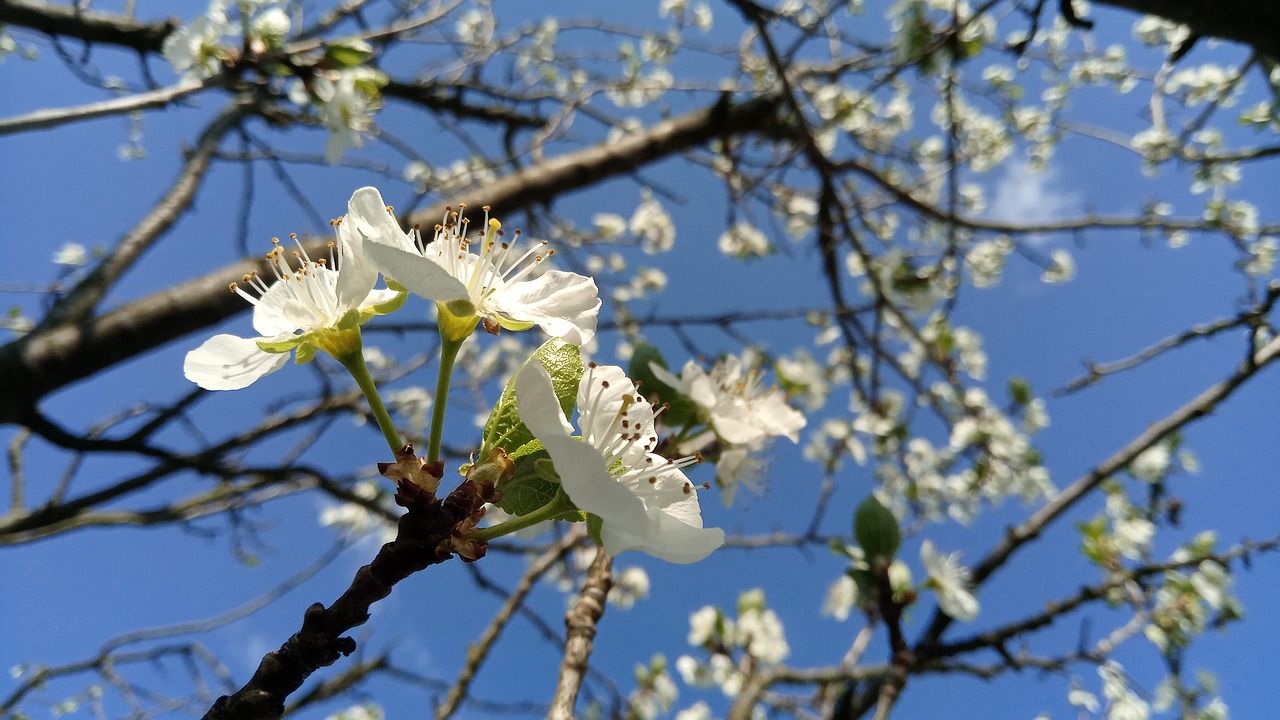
[{"x": 427, "y": 536}]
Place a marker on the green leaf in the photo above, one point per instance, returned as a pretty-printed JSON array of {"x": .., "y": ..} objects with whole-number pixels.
[
  {"x": 527, "y": 490},
  {"x": 348, "y": 53},
  {"x": 1020, "y": 391},
  {"x": 877, "y": 531},
  {"x": 504, "y": 428}
]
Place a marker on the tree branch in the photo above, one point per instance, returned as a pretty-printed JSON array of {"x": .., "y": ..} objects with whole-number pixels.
[
  {"x": 45, "y": 360},
  {"x": 1017, "y": 537},
  {"x": 47, "y": 119},
  {"x": 1253, "y": 22},
  {"x": 581, "y": 625},
  {"x": 94, "y": 27},
  {"x": 425, "y": 536}
]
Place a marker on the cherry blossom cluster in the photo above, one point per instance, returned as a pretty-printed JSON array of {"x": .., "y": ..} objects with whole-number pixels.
[{"x": 608, "y": 471}]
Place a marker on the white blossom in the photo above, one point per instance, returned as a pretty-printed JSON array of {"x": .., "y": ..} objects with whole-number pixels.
[
  {"x": 366, "y": 711},
  {"x": 698, "y": 711},
  {"x": 740, "y": 466},
  {"x": 651, "y": 223},
  {"x": 644, "y": 500},
  {"x": 841, "y": 597},
  {"x": 609, "y": 225},
  {"x": 949, "y": 580},
  {"x": 705, "y": 624},
  {"x": 412, "y": 403},
  {"x": 356, "y": 520},
  {"x": 307, "y": 306},
  {"x": 1151, "y": 464},
  {"x": 985, "y": 262},
  {"x": 734, "y": 402},
  {"x": 271, "y": 25},
  {"x": 346, "y": 101},
  {"x": 1080, "y": 698},
  {"x": 1122, "y": 703},
  {"x": 495, "y": 286},
  {"x": 629, "y": 586},
  {"x": 71, "y": 254},
  {"x": 1062, "y": 267},
  {"x": 743, "y": 241},
  {"x": 760, "y": 632},
  {"x": 193, "y": 50}
]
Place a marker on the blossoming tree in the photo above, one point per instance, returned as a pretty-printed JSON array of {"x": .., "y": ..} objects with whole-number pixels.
[{"x": 767, "y": 373}]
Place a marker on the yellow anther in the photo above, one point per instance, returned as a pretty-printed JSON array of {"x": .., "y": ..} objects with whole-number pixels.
[{"x": 232, "y": 286}]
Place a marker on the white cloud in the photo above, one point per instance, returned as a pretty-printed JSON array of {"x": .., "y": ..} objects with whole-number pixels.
[{"x": 1024, "y": 197}]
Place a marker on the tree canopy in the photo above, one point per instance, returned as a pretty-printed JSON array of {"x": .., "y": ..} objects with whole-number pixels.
[{"x": 701, "y": 359}]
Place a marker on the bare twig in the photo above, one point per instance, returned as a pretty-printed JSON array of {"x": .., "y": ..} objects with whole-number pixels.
[
  {"x": 479, "y": 650},
  {"x": 580, "y": 623},
  {"x": 48, "y": 119}
]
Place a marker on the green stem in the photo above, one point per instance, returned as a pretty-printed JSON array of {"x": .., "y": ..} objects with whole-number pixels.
[
  {"x": 354, "y": 363},
  {"x": 448, "y": 353},
  {"x": 559, "y": 505}
]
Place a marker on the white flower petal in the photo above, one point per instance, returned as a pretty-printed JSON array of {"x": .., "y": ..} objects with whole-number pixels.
[
  {"x": 666, "y": 377},
  {"x": 563, "y": 304},
  {"x": 269, "y": 317},
  {"x": 423, "y": 276},
  {"x": 374, "y": 222},
  {"x": 702, "y": 389},
  {"x": 378, "y": 297},
  {"x": 666, "y": 538},
  {"x": 738, "y": 429},
  {"x": 779, "y": 418},
  {"x": 598, "y": 408},
  {"x": 537, "y": 404},
  {"x": 643, "y": 499},
  {"x": 357, "y": 274},
  {"x": 588, "y": 483},
  {"x": 227, "y": 362},
  {"x": 958, "y": 604}
]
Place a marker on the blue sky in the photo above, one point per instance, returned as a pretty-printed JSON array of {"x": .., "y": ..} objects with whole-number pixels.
[{"x": 64, "y": 597}]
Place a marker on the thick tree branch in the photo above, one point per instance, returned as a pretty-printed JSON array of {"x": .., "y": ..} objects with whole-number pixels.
[
  {"x": 1253, "y": 22},
  {"x": 95, "y": 27},
  {"x": 44, "y": 361}
]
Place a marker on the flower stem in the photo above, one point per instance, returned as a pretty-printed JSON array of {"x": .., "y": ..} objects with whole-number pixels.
[
  {"x": 448, "y": 353},
  {"x": 559, "y": 505},
  {"x": 354, "y": 363}
]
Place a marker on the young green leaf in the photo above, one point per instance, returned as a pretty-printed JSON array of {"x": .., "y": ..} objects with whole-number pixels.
[
  {"x": 877, "y": 531},
  {"x": 504, "y": 428}
]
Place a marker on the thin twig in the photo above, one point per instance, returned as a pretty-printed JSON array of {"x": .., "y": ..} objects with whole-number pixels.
[{"x": 580, "y": 623}]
